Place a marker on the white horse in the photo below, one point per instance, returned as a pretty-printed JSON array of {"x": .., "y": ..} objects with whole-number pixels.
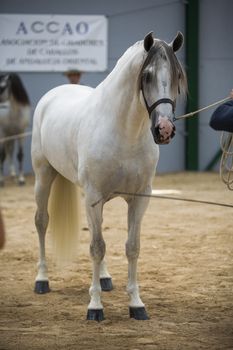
[
  {"x": 15, "y": 115},
  {"x": 103, "y": 140}
]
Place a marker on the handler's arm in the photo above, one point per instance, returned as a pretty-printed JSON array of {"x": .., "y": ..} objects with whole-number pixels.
[{"x": 222, "y": 118}]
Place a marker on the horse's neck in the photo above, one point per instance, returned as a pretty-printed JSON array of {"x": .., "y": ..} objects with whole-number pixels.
[{"x": 121, "y": 94}]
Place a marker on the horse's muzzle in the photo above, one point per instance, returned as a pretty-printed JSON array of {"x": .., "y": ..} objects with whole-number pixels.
[{"x": 163, "y": 131}]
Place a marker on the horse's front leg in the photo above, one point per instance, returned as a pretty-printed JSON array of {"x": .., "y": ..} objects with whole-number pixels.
[
  {"x": 97, "y": 251},
  {"x": 136, "y": 210},
  {"x": 105, "y": 278}
]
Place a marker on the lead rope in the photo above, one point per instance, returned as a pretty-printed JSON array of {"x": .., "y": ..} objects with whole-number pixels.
[{"x": 201, "y": 109}]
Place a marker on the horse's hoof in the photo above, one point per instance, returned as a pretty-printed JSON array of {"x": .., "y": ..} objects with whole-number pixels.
[
  {"x": 42, "y": 287},
  {"x": 106, "y": 284},
  {"x": 138, "y": 313},
  {"x": 95, "y": 315},
  {"x": 1, "y": 183},
  {"x": 21, "y": 182}
]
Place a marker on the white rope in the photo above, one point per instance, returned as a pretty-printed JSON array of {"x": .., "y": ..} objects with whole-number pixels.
[
  {"x": 15, "y": 137},
  {"x": 202, "y": 109},
  {"x": 164, "y": 197}
]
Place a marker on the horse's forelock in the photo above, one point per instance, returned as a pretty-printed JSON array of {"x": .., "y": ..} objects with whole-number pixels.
[
  {"x": 178, "y": 75},
  {"x": 162, "y": 51}
]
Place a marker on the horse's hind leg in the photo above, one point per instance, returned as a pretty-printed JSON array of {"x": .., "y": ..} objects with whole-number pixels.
[
  {"x": 20, "y": 157},
  {"x": 2, "y": 159},
  {"x": 44, "y": 178}
]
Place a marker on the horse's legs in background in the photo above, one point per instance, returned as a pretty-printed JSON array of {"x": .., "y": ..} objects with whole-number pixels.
[
  {"x": 2, "y": 159},
  {"x": 9, "y": 149},
  {"x": 44, "y": 178},
  {"x": 136, "y": 210},
  {"x": 20, "y": 157},
  {"x": 97, "y": 251}
]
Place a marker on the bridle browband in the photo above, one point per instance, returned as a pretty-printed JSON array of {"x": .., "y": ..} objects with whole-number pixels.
[{"x": 150, "y": 109}]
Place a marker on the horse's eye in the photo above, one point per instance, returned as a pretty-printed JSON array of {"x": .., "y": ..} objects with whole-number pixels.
[{"x": 148, "y": 77}]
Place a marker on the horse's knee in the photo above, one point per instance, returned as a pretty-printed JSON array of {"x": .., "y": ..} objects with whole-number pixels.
[
  {"x": 20, "y": 155},
  {"x": 132, "y": 250},
  {"x": 97, "y": 249}
]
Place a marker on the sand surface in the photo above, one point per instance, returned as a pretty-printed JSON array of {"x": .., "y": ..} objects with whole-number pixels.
[{"x": 185, "y": 275}]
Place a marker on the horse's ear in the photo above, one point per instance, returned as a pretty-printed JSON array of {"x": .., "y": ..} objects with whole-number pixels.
[
  {"x": 177, "y": 42},
  {"x": 148, "y": 41}
]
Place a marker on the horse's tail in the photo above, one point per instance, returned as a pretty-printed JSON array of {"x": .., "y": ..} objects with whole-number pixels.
[{"x": 64, "y": 212}]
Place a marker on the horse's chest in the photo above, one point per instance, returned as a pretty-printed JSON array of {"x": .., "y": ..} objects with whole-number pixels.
[
  {"x": 137, "y": 170},
  {"x": 129, "y": 171}
]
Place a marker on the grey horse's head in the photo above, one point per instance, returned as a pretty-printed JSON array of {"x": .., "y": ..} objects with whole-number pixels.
[
  {"x": 11, "y": 86},
  {"x": 162, "y": 79}
]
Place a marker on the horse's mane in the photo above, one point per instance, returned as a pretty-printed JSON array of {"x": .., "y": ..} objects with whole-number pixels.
[
  {"x": 18, "y": 90},
  {"x": 160, "y": 51},
  {"x": 129, "y": 54},
  {"x": 178, "y": 73},
  {"x": 133, "y": 53}
]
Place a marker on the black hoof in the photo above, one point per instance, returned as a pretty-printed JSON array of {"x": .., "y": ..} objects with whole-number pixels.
[
  {"x": 106, "y": 284},
  {"x": 138, "y": 313},
  {"x": 42, "y": 287},
  {"x": 95, "y": 315},
  {"x": 21, "y": 182}
]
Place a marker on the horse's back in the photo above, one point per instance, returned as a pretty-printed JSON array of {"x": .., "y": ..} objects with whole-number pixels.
[{"x": 61, "y": 97}]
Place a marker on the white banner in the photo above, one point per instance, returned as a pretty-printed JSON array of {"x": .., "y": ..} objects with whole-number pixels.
[{"x": 55, "y": 43}]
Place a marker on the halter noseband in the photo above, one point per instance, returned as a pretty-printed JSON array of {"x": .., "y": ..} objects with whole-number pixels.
[
  {"x": 156, "y": 103},
  {"x": 150, "y": 109}
]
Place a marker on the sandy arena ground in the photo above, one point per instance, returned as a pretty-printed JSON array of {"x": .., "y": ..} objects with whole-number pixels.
[{"x": 185, "y": 275}]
